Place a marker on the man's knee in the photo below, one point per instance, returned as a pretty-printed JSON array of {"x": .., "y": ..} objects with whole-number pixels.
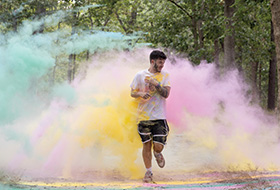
[{"x": 158, "y": 147}]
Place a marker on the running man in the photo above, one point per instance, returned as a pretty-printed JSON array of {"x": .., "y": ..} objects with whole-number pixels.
[{"x": 152, "y": 87}]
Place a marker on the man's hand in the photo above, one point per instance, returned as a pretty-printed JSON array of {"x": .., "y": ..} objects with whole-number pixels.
[
  {"x": 144, "y": 95},
  {"x": 151, "y": 81}
]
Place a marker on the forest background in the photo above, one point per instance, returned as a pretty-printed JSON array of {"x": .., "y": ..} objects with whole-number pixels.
[{"x": 242, "y": 34}]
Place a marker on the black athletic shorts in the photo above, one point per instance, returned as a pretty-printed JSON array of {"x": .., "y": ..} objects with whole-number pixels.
[{"x": 153, "y": 129}]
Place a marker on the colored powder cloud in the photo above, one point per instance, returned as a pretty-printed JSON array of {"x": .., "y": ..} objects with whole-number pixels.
[
  {"x": 38, "y": 122},
  {"x": 90, "y": 125},
  {"x": 219, "y": 126}
]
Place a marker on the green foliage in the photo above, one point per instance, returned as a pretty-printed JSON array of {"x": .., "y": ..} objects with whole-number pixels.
[
  {"x": 254, "y": 41},
  {"x": 190, "y": 27}
]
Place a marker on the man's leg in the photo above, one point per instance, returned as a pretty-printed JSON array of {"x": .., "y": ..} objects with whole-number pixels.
[
  {"x": 147, "y": 158},
  {"x": 160, "y": 134},
  {"x": 158, "y": 155},
  {"x": 147, "y": 154}
]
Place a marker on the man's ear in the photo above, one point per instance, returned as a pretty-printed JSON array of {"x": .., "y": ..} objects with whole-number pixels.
[{"x": 152, "y": 61}]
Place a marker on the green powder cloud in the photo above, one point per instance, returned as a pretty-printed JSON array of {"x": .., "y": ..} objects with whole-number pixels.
[{"x": 27, "y": 57}]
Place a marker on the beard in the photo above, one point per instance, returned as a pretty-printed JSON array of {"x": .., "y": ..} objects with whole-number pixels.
[{"x": 156, "y": 68}]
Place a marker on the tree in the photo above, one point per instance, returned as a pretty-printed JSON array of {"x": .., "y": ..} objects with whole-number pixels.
[
  {"x": 253, "y": 46},
  {"x": 275, "y": 11},
  {"x": 229, "y": 40},
  {"x": 11, "y": 14},
  {"x": 214, "y": 30},
  {"x": 272, "y": 76},
  {"x": 128, "y": 17},
  {"x": 188, "y": 27},
  {"x": 101, "y": 16}
]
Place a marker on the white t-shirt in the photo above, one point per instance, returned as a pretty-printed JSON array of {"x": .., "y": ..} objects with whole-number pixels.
[{"x": 154, "y": 107}]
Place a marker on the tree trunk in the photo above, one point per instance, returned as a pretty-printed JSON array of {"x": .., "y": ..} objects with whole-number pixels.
[
  {"x": 56, "y": 60},
  {"x": 271, "y": 97},
  {"x": 121, "y": 22},
  {"x": 40, "y": 12},
  {"x": 87, "y": 55},
  {"x": 200, "y": 34},
  {"x": 71, "y": 58},
  {"x": 70, "y": 68},
  {"x": 74, "y": 66},
  {"x": 229, "y": 41},
  {"x": 275, "y": 11},
  {"x": 254, "y": 79},
  {"x": 15, "y": 24},
  {"x": 217, "y": 53},
  {"x": 259, "y": 89},
  {"x": 194, "y": 27},
  {"x": 133, "y": 18}
]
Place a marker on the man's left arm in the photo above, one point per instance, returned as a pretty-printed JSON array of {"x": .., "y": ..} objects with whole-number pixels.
[{"x": 163, "y": 90}]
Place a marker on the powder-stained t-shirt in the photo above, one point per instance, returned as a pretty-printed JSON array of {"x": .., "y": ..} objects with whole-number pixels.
[{"x": 154, "y": 107}]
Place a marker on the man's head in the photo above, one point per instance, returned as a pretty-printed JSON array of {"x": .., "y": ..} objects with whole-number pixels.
[{"x": 157, "y": 60}]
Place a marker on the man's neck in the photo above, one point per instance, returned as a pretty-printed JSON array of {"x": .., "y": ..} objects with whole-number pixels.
[{"x": 152, "y": 70}]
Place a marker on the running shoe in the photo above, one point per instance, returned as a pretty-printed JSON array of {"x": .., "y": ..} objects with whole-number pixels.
[
  {"x": 148, "y": 177},
  {"x": 160, "y": 159}
]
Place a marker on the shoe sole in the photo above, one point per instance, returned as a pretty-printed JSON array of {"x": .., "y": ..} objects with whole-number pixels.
[{"x": 163, "y": 162}]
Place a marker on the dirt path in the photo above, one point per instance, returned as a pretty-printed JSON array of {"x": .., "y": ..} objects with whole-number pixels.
[{"x": 212, "y": 180}]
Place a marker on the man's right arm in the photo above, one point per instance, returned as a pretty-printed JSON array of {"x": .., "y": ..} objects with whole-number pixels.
[{"x": 137, "y": 94}]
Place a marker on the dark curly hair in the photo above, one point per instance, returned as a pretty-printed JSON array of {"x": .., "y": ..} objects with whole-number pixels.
[{"x": 156, "y": 54}]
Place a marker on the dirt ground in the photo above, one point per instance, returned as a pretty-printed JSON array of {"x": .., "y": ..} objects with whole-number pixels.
[{"x": 99, "y": 180}]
